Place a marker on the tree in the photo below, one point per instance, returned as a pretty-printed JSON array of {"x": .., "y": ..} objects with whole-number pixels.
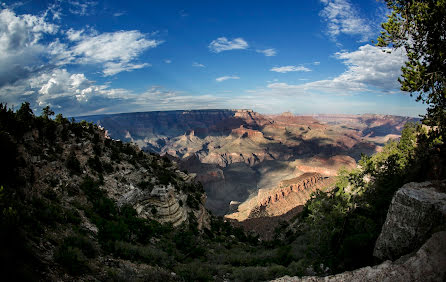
[
  {"x": 420, "y": 28},
  {"x": 25, "y": 114},
  {"x": 47, "y": 112}
]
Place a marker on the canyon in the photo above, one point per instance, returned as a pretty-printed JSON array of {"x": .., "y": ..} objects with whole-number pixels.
[{"x": 243, "y": 158}]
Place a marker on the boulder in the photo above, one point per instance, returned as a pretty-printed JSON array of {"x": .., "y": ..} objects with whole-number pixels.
[
  {"x": 427, "y": 264},
  {"x": 417, "y": 209},
  {"x": 413, "y": 236}
]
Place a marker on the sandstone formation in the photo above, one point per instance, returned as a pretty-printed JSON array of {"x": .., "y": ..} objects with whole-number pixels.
[
  {"x": 416, "y": 210},
  {"x": 427, "y": 264},
  {"x": 161, "y": 204},
  {"x": 267, "y": 145},
  {"x": 286, "y": 187},
  {"x": 288, "y": 195}
]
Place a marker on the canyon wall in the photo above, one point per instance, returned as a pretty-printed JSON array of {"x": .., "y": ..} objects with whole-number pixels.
[{"x": 241, "y": 152}]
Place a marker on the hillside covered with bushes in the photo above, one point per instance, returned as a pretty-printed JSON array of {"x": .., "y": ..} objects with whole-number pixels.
[{"x": 64, "y": 213}]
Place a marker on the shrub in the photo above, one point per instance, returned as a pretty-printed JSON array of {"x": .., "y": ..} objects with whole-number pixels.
[
  {"x": 82, "y": 243},
  {"x": 95, "y": 164},
  {"x": 72, "y": 258},
  {"x": 194, "y": 271},
  {"x": 147, "y": 254},
  {"x": 73, "y": 164}
]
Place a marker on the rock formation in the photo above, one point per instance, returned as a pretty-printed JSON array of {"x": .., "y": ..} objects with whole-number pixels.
[
  {"x": 413, "y": 236},
  {"x": 427, "y": 264},
  {"x": 288, "y": 195},
  {"x": 161, "y": 204},
  {"x": 416, "y": 210},
  {"x": 286, "y": 187},
  {"x": 267, "y": 144}
]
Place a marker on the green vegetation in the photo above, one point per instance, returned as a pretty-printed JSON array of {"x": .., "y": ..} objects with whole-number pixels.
[
  {"x": 419, "y": 27},
  {"x": 78, "y": 223}
]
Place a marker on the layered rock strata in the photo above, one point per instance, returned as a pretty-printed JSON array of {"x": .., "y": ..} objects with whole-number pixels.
[
  {"x": 288, "y": 195},
  {"x": 162, "y": 204},
  {"x": 286, "y": 187}
]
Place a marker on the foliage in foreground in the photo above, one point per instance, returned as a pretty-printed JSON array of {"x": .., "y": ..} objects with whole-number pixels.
[
  {"x": 340, "y": 227},
  {"x": 38, "y": 211},
  {"x": 419, "y": 27}
]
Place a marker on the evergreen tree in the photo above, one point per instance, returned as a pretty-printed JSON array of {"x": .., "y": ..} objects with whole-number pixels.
[{"x": 420, "y": 28}]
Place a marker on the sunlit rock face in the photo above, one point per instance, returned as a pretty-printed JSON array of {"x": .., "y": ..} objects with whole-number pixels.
[{"x": 236, "y": 153}]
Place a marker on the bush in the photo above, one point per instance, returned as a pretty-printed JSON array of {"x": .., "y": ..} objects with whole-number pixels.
[
  {"x": 72, "y": 259},
  {"x": 250, "y": 273},
  {"x": 146, "y": 254},
  {"x": 82, "y": 243},
  {"x": 73, "y": 164},
  {"x": 95, "y": 164},
  {"x": 194, "y": 271}
]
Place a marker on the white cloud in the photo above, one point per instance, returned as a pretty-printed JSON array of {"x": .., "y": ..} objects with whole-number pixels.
[
  {"x": 343, "y": 18},
  {"x": 223, "y": 44},
  {"x": 121, "y": 46},
  {"x": 223, "y": 78},
  {"x": 115, "y": 50},
  {"x": 25, "y": 53},
  {"x": 19, "y": 32},
  {"x": 118, "y": 14},
  {"x": 82, "y": 8},
  {"x": 167, "y": 61},
  {"x": 267, "y": 52},
  {"x": 316, "y": 63},
  {"x": 75, "y": 35},
  {"x": 198, "y": 65},
  {"x": 286, "y": 69},
  {"x": 21, "y": 50},
  {"x": 112, "y": 68},
  {"x": 371, "y": 66},
  {"x": 368, "y": 68}
]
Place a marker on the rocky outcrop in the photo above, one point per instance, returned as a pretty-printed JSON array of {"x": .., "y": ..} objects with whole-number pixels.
[
  {"x": 427, "y": 264},
  {"x": 416, "y": 210},
  {"x": 247, "y": 133},
  {"x": 267, "y": 144},
  {"x": 288, "y": 195},
  {"x": 286, "y": 187},
  {"x": 413, "y": 234},
  {"x": 326, "y": 166},
  {"x": 161, "y": 204}
]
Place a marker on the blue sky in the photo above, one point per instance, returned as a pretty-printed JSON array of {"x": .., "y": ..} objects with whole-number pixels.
[{"x": 94, "y": 57}]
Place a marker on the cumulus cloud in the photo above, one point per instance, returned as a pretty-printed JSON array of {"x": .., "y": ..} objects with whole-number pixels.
[
  {"x": 223, "y": 44},
  {"x": 368, "y": 68},
  {"x": 223, "y": 78},
  {"x": 286, "y": 69},
  {"x": 28, "y": 47},
  {"x": 115, "y": 49},
  {"x": 342, "y": 18},
  {"x": 34, "y": 55},
  {"x": 267, "y": 52},
  {"x": 198, "y": 65},
  {"x": 21, "y": 53}
]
